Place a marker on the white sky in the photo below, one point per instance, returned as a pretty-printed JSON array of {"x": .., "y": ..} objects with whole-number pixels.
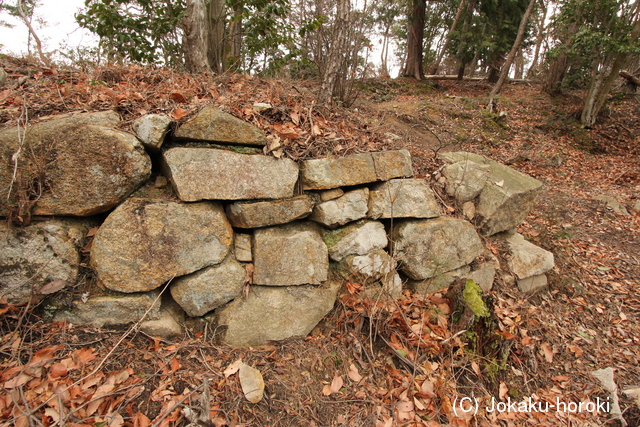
[{"x": 59, "y": 29}]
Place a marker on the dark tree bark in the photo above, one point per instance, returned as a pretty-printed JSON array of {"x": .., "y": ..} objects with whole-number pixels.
[
  {"x": 415, "y": 34},
  {"x": 216, "y": 35},
  {"x": 337, "y": 50},
  {"x": 195, "y": 37}
]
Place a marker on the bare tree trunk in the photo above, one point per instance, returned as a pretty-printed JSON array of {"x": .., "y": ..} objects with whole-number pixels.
[
  {"x": 44, "y": 58},
  {"x": 195, "y": 37},
  {"x": 445, "y": 46},
  {"x": 602, "y": 78},
  {"x": 533, "y": 70},
  {"x": 512, "y": 54},
  {"x": 333, "y": 62},
  {"x": 216, "y": 35},
  {"x": 384, "y": 55},
  {"x": 413, "y": 64},
  {"x": 235, "y": 31}
]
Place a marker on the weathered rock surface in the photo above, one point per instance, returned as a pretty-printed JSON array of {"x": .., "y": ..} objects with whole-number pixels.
[
  {"x": 484, "y": 276},
  {"x": 376, "y": 266},
  {"x": 212, "y": 124},
  {"x": 142, "y": 243},
  {"x": 112, "y": 310},
  {"x": 612, "y": 204},
  {"x": 324, "y": 174},
  {"x": 358, "y": 238},
  {"x": 331, "y": 194},
  {"x": 276, "y": 313},
  {"x": 209, "y": 288},
  {"x": 527, "y": 259},
  {"x": 3, "y": 77},
  {"x": 507, "y": 196},
  {"x": 403, "y": 198},
  {"x": 151, "y": 130},
  {"x": 33, "y": 256},
  {"x": 438, "y": 282},
  {"x": 352, "y": 206},
  {"x": 465, "y": 179},
  {"x": 267, "y": 213},
  {"x": 203, "y": 173},
  {"x": 88, "y": 167},
  {"x": 291, "y": 254},
  {"x": 533, "y": 283},
  {"x": 427, "y": 248},
  {"x": 242, "y": 246}
]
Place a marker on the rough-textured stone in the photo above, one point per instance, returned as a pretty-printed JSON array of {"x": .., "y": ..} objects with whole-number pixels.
[
  {"x": 358, "y": 238},
  {"x": 169, "y": 322},
  {"x": 484, "y": 276},
  {"x": 151, "y": 130},
  {"x": 392, "y": 164},
  {"x": 88, "y": 168},
  {"x": 331, "y": 194},
  {"x": 203, "y": 173},
  {"x": 469, "y": 210},
  {"x": 276, "y": 313},
  {"x": 612, "y": 204},
  {"x": 527, "y": 259},
  {"x": 209, "y": 288},
  {"x": 403, "y": 198},
  {"x": 270, "y": 212},
  {"x": 465, "y": 179},
  {"x": 3, "y": 76},
  {"x": 439, "y": 282},
  {"x": 142, "y": 243},
  {"x": 112, "y": 310},
  {"x": 533, "y": 284},
  {"x": 507, "y": 196},
  {"x": 291, "y": 254},
  {"x": 242, "y": 246},
  {"x": 324, "y": 174},
  {"x": 376, "y": 266},
  {"x": 352, "y": 206},
  {"x": 427, "y": 248},
  {"x": 636, "y": 206},
  {"x": 212, "y": 124},
  {"x": 32, "y": 256}
]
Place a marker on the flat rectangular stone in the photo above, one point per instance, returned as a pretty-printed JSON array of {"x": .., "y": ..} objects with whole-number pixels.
[
  {"x": 325, "y": 174},
  {"x": 403, "y": 198},
  {"x": 270, "y": 212},
  {"x": 392, "y": 164},
  {"x": 210, "y": 174}
]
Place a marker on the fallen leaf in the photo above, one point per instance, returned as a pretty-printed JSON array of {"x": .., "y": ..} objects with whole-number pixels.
[
  {"x": 354, "y": 374},
  {"x": 504, "y": 390},
  {"x": 179, "y": 113},
  {"x": 548, "y": 352},
  {"x": 334, "y": 387},
  {"x": 576, "y": 350},
  {"x": 53, "y": 287},
  {"x": 252, "y": 383},
  {"x": 232, "y": 368},
  {"x": 177, "y": 96}
]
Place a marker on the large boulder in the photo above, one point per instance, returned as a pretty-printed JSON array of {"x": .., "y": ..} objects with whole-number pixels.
[
  {"x": 291, "y": 254},
  {"x": 358, "y": 238},
  {"x": 209, "y": 288},
  {"x": 428, "y": 248},
  {"x": 205, "y": 173},
  {"x": 275, "y": 313},
  {"x": 269, "y": 212},
  {"x": 213, "y": 124},
  {"x": 351, "y": 206},
  {"x": 465, "y": 179},
  {"x": 505, "y": 199},
  {"x": 76, "y": 165},
  {"x": 355, "y": 169},
  {"x": 143, "y": 243},
  {"x": 403, "y": 198},
  {"x": 33, "y": 256},
  {"x": 111, "y": 309}
]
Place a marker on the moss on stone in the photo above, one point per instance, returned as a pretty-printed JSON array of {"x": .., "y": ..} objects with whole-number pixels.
[{"x": 472, "y": 295}]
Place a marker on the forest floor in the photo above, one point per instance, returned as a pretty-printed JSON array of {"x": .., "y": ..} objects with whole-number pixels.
[{"x": 368, "y": 363}]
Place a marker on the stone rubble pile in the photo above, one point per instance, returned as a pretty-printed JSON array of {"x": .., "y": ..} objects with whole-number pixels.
[{"x": 257, "y": 245}]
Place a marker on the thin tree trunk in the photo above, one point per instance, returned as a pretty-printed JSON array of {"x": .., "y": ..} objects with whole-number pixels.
[
  {"x": 235, "y": 30},
  {"x": 514, "y": 49},
  {"x": 195, "y": 37},
  {"x": 216, "y": 35},
  {"x": 539, "y": 38},
  {"x": 332, "y": 68},
  {"x": 445, "y": 46},
  {"x": 413, "y": 65},
  {"x": 44, "y": 58}
]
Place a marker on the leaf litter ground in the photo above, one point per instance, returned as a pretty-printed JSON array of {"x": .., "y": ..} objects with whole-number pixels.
[{"x": 370, "y": 363}]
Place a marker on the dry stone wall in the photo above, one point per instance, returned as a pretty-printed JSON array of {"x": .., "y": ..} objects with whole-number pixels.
[{"x": 257, "y": 245}]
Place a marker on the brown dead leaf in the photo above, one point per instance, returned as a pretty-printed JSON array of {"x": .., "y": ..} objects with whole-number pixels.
[
  {"x": 504, "y": 390},
  {"x": 179, "y": 113},
  {"x": 334, "y": 387},
  {"x": 53, "y": 287},
  {"x": 548, "y": 351},
  {"x": 232, "y": 368},
  {"x": 354, "y": 374},
  {"x": 252, "y": 383},
  {"x": 577, "y": 351},
  {"x": 177, "y": 96}
]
